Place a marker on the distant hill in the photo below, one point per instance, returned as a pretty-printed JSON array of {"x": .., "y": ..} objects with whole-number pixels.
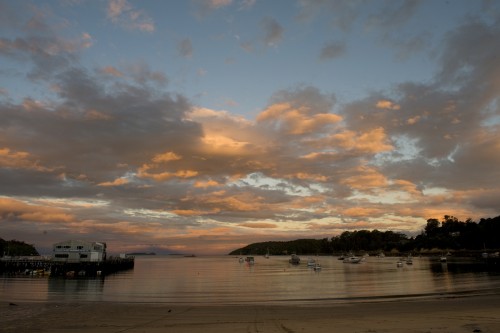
[
  {"x": 299, "y": 246},
  {"x": 450, "y": 234},
  {"x": 141, "y": 254},
  {"x": 15, "y": 248}
]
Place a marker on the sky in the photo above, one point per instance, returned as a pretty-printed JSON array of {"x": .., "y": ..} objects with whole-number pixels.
[{"x": 203, "y": 126}]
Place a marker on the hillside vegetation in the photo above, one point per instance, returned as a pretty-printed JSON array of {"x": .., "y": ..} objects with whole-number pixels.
[
  {"x": 15, "y": 248},
  {"x": 449, "y": 234}
]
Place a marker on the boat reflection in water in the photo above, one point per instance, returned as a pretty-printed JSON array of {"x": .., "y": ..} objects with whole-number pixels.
[{"x": 223, "y": 280}]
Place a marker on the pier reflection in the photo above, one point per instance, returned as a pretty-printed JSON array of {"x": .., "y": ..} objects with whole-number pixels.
[{"x": 79, "y": 289}]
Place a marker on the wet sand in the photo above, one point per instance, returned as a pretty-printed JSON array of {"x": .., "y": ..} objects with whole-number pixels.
[{"x": 441, "y": 314}]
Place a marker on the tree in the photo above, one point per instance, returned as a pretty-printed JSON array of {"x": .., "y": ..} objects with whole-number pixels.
[{"x": 432, "y": 227}]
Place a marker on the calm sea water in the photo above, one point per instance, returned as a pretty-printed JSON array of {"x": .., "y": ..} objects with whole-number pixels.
[{"x": 224, "y": 280}]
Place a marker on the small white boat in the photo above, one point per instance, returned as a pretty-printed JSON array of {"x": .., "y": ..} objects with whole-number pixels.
[
  {"x": 409, "y": 260},
  {"x": 317, "y": 266},
  {"x": 250, "y": 260},
  {"x": 311, "y": 262},
  {"x": 352, "y": 260},
  {"x": 399, "y": 263},
  {"x": 241, "y": 260}
]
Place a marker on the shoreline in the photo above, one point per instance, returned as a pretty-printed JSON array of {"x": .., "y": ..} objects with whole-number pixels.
[{"x": 446, "y": 313}]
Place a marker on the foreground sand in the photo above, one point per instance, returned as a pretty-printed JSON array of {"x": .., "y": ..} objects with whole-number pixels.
[{"x": 446, "y": 314}]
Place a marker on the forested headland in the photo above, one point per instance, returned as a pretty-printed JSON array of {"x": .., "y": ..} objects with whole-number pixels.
[
  {"x": 449, "y": 234},
  {"x": 15, "y": 248}
]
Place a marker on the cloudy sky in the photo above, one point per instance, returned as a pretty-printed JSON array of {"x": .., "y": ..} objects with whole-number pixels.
[{"x": 203, "y": 126}]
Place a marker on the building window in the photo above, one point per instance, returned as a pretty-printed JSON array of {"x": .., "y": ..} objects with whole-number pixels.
[
  {"x": 61, "y": 255},
  {"x": 83, "y": 256}
]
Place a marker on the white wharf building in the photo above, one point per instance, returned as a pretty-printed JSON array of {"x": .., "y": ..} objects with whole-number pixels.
[{"x": 79, "y": 251}]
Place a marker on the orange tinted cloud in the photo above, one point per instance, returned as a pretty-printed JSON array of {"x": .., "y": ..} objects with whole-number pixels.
[
  {"x": 160, "y": 162},
  {"x": 19, "y": 159},
  {"x": 372, "y": 141},
  {"x": 116, "y": 182},
  {"x": 258, "y": 225},
  {"x": 365, "y": 178},
  {"x": 163, "y": 176},
  {"x": 361, "y": 212},
  {"x": 296, "y": 120},
  {"x": 166, "y": 157},
  {"x": 191, "y": 212},
  {"x": 205, "y": 184},
  {"x": 386, "y": 104},
  {"x": 15, "y": 209}
]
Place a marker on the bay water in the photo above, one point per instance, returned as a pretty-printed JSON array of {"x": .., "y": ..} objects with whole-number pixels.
[{"x": 225, "y": 280}]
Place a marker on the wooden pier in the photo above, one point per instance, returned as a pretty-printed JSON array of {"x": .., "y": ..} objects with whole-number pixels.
[{"x": 47, "y": 267}]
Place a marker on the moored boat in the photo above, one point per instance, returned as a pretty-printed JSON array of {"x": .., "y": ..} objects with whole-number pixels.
[
  {"x": 294, "y": 260},
  {"x": 311, "y": 262},
  {"x": 352, "y": 260}
]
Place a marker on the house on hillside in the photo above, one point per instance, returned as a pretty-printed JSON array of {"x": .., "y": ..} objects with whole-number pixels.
[{"x": 79, "y": 251}]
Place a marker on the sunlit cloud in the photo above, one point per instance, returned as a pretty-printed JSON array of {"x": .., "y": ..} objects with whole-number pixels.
[
  {"x": 258, "y": 225},
  {"x": 11, "y": 209},
  {"x": 166, "y": 157},
  {"x": 72, "y": 202},
  {"x": 365, "y": 178},
  {"x": 116, "y": 182},
  {"x": 20, "y": 159},
  {"x": 296, "y": 121},
  {"x": 206, "y": 184},
  {"x": 121, "y": 12},
  {"x": 386, "y": 104},
  {"x": 373, "y": 141},
  {"x": 222, "y": 128}
]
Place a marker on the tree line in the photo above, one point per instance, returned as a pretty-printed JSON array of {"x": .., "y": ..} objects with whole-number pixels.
[
  {"x": 15, "y": 248},
  {"x": 445, "y": 235}
]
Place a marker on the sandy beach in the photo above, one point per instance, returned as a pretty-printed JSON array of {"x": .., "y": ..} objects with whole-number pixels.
[{"x": 442, "y": 314}]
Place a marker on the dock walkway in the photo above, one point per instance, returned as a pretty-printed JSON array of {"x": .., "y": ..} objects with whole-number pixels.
[{"x": 47, "y": 267}]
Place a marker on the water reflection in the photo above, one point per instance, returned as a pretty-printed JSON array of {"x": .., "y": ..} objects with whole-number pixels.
[
  {"x": 464, "y": 265},
  {"x": 82, "y": 289},
  {"x": 210, "y": 280}
]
